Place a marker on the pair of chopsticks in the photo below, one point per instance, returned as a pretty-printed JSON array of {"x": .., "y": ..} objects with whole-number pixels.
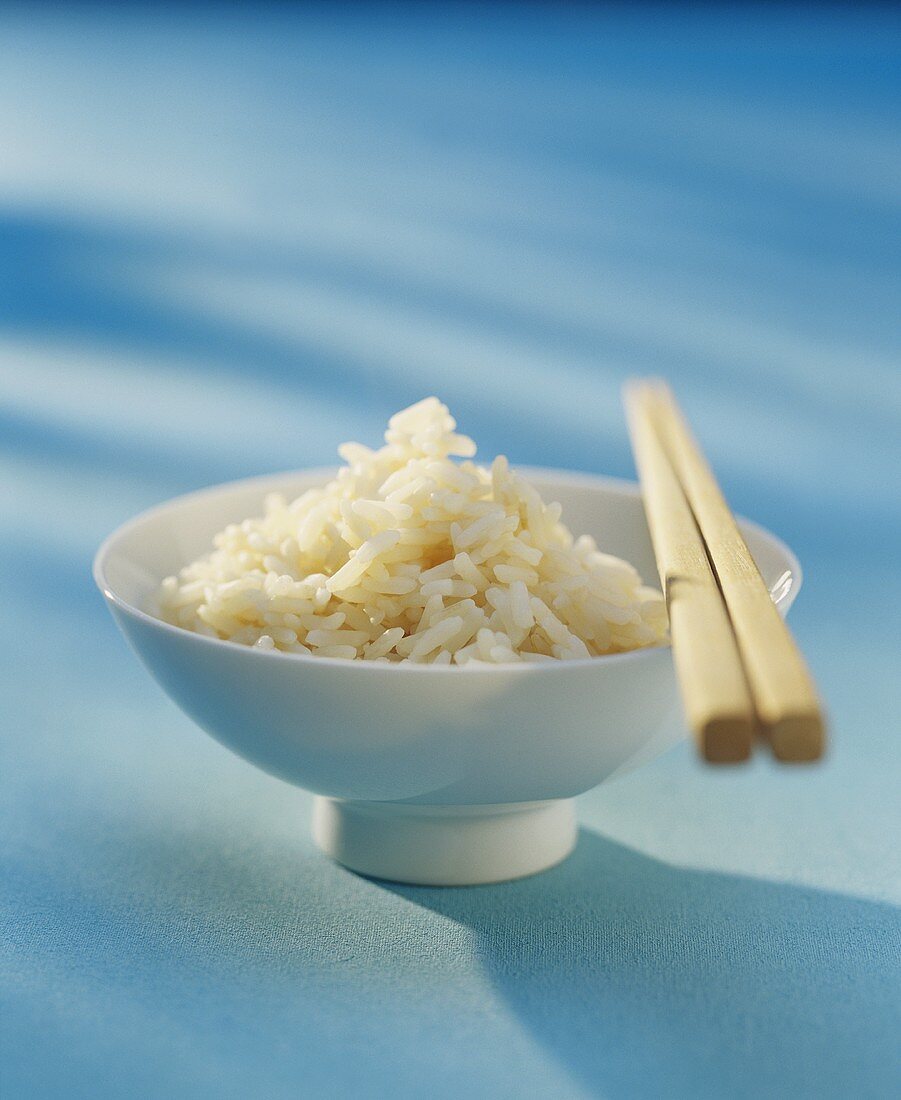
[{"x": 740, "y": 672}]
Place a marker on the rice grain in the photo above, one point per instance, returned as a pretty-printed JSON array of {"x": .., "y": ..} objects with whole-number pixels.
[{"x": 409, "y": 554}]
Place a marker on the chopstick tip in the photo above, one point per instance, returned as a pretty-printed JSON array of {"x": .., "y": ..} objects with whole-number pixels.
[
  {"x": 638, "y": 388},
  {"x": 727, "y": 739},
  {"x": 797, "y": 738}
]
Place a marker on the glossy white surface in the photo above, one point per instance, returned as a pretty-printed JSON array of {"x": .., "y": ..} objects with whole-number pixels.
[
  {"x": 445, "y": 845},
  {"x": 415, "y": 734}
]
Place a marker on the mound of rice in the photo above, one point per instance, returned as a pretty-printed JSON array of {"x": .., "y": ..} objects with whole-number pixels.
[{"x": 410, "y": 556}]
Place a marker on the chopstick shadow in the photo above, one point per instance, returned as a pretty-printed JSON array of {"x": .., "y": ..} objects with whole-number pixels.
[{"x": 643, "y": 978}]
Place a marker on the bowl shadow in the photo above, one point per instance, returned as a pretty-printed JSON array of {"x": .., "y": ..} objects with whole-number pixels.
[
  {"x": 639, "y": 978},
  {"x": 646, "y": 979}
]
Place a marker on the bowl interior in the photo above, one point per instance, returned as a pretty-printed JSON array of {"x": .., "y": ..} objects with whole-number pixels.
[{"x": 133, "y": 561}]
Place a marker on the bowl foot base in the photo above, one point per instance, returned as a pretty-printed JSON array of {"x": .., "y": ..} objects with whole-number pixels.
[{"x": 445, "y": 845}]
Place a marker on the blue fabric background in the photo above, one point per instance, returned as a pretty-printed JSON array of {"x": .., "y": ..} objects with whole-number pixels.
[{"x": 231, "y": 239}]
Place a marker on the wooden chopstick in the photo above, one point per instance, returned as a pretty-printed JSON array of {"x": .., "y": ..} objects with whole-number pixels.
[
  {"x": 715, "y": 692},
  {"x": 785, "y": 698}
]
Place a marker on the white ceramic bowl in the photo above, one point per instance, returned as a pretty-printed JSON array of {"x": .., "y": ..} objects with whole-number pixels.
[{"x": 426, "y": 774}]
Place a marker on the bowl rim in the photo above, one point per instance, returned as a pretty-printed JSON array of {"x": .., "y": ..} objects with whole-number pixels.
[{"x": 622, "y": 487}]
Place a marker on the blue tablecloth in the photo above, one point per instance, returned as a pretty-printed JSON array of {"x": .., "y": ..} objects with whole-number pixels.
[{"x": 231, "y": 239}]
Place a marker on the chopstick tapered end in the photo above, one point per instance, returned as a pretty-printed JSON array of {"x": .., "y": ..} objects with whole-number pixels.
[
  {"x": 726, "y": 739},
  {"x": 797, "y": 738}
]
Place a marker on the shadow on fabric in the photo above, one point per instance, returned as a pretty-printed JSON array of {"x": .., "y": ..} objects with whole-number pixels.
[
  {"x": 639, "y": 978},
  {"x": 647, "y": 979}
]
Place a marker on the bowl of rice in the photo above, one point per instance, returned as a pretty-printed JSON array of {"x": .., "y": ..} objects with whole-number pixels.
[{"x": 445, "y": 653}]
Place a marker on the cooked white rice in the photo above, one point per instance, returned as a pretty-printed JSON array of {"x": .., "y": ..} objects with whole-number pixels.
[{"x": 410, "y": 556}]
